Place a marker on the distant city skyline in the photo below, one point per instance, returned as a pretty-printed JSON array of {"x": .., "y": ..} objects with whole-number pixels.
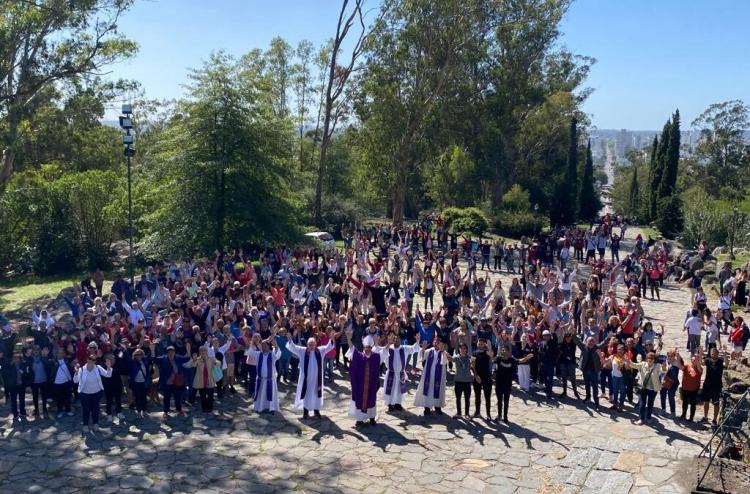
[{"x": 652, "y": 57}]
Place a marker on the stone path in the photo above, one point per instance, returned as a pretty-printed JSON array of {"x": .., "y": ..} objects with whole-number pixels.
[{"x": 550, "y": 447}]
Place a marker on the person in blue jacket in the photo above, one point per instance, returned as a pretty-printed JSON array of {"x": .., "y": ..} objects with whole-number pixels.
[{"x": 171, "y": 379}]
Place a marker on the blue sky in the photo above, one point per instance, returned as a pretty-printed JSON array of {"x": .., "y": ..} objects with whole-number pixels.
[{"x": 652, "y": 55}]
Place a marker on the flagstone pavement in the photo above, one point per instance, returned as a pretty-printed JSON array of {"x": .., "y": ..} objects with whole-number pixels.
[{"x": 550, "y": 447}]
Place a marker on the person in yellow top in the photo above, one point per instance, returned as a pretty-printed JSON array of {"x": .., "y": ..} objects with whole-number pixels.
[{"x": 650, "y": 375}]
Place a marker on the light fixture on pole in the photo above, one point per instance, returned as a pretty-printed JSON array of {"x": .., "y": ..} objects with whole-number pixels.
[{"x": 128, "y": 140}]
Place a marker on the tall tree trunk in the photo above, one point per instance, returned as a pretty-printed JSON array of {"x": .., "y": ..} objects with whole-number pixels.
[
  {"x": 9, "y": 153},
  {"x": 321, "y": 171},
  {"x": 399, "y": 198},
  {"x": 6, "y": 166},
  {"x": 337, "y": 77}
]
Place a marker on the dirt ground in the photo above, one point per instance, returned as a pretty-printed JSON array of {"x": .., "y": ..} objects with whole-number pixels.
[{"x": 724, "y": 476}]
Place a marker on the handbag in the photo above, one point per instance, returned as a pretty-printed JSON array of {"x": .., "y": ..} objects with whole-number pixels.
[
  {"x": 667, "y": 382},
  {"x": 218, "y": 373}
]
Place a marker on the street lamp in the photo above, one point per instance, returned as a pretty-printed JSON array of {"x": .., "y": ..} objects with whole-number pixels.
[
  {"x": 126, "y": 123},
  {"x": 732, "y": 233}
]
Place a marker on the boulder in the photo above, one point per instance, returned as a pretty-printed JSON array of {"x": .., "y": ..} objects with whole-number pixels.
[
  {"x": 696, "y": 263},
  {"x": 719, "y": 250}
]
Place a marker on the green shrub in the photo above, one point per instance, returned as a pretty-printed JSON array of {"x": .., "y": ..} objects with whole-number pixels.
[
  {"x": 518, "y": 223},
  {"x": 472, "y": 220},
  {"x": 517, "y": 199}
]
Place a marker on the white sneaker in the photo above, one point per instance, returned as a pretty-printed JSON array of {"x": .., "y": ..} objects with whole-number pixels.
[
  {"x": 639, "y": 422},
  {"x": 69, "y": 414},
  {"x": 60, "y": 415}
]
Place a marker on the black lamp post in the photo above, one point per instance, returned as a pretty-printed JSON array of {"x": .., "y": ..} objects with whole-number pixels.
[{"x": 126, "y": 123}]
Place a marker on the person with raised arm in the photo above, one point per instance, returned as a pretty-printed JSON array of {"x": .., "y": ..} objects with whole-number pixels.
[
  {"x": 309, "y": 395},
  {"x": 266, "y": 391},
  {"x": 431, "y": 390},
  {"x": 90, "y": 388},
  {"x": 395, "y": 357}
]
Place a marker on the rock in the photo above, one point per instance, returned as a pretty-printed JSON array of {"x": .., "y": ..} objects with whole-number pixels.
[
  {"x": 696, "y": 263},
  {"x": 719, "y": 250},
  {"x": 609, "y": 481},
  {"x": 629, "y": 461},
  {"x": 657, "y": 475}
]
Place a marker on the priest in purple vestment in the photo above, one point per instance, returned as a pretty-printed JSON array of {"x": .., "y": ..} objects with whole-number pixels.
[{"x": 364, "y": 374}]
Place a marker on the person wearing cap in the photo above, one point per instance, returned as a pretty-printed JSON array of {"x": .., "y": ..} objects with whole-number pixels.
[
  {"x": 395, "y": 357},
  {"x": 309, "y": 394},
  {"x": 171, "y": 380},
  {"x": 365, "y": 381},
  {"x": 431, "y": 390},
  {"x": 549, "y": 352},
  {"x": 90, "y": 387}
]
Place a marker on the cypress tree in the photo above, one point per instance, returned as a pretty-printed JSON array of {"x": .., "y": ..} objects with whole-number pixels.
[
  {"x": 668, "y": 185},
  {"x": 654, "y": 179},
  {"x": 588, "y": 200},
  {"x": 634, "y": 197},
  {"x": 669, "y": 209},
  {"x": 570, "y": 185}
]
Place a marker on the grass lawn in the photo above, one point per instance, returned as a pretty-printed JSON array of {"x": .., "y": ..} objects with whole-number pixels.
[
  {"x": 738, "y": 262},
  {"x": 21, "y": 295}
]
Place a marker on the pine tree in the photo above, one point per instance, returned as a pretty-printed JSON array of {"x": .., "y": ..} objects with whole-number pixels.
[
  {"x": 569, "y": 206},
  {"x": 589, "y": 202},
  {"x": 654, "y": 179},
  {"x": 634, "y": 197}
]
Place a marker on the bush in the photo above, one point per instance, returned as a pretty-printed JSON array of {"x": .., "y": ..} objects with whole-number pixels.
[
  {"x": 518, "y": 223},
  {"x": 471, "y": 220},
  {"x": 705, "y": 219},
  {"x": 517, "y": 199}
]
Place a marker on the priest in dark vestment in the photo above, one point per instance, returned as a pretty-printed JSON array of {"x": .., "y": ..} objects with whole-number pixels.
[{"x": 365, "y": 380}]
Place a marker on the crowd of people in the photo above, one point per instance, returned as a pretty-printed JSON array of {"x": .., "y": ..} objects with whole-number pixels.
[{"x": 269, "y": 320}]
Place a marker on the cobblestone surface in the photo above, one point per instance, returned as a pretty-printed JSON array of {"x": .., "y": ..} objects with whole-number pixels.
[{"x": 550, "y": 447}]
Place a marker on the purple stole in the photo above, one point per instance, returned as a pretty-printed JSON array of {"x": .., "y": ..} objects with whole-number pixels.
[
  {"x": 268, "y": 377},
  {"x": 428, "y": 374},
  {"x": 392, "y": 375},
  {"x": 320, "y": 373}
]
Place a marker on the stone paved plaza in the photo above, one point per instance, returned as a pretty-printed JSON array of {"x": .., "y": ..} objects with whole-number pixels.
[{"x": 550, "y": 447}]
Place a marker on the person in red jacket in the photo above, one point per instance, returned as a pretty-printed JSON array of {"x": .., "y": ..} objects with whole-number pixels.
[{"x": 735, "y": 337}]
